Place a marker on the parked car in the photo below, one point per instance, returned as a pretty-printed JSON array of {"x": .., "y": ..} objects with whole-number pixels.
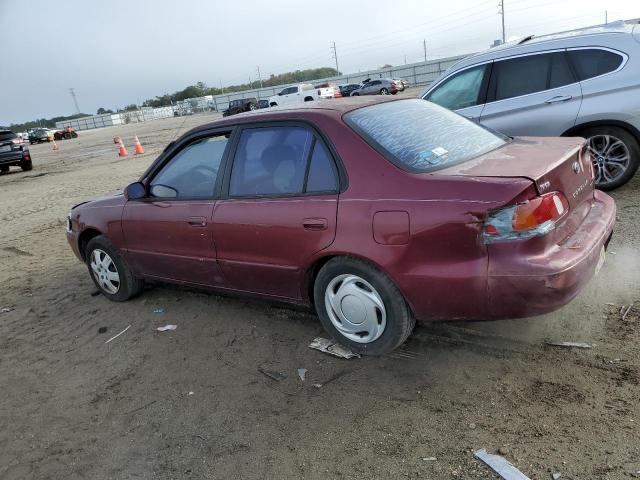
[
  {"x": 328, "y": 90},
  {"x": 579, "y": 83},
  {"x": 240, "y": 105},
  {"x": 333, "y": 206},
  {"x": 382, "y": 86},
  {"x": 65, "y": 134},
  {"x": 303, "y": 92},
  {"x": 39, "y": 135},
  {"x": 263, "y": 103},
  {"x": 346, "y": 90},
  {"x": 13, "y": 152}
]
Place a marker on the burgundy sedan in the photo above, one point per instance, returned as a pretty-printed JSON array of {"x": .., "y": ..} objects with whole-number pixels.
[{"x": 377, "y": 213}]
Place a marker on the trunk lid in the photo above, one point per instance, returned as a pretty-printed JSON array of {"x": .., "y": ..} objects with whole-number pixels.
[{"x": 552, "y": 164}]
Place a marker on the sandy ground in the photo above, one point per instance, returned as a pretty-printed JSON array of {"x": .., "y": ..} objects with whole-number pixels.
[{"x": 192, "y": 403}]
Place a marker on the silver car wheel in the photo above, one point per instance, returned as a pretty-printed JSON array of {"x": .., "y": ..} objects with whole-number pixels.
[
  {"x": 105, "y": 271},
  {"x": 355, "y": 308},
  {"x": 610, "y": 157}
]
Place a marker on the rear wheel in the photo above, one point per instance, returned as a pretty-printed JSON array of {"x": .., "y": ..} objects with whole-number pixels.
[
  {"x": 361, "y": 307},
  {"x": 384, "y": 91},
  {"x": 355, "y": 94},
  {"x": 308, "y": 99},
  {"x": 616, "y": 155},
  {"x": 273, "y": 104},
  {"x": 109, "y": 272},
  {"x": 25, "y": 165},
  {"x": 4, "y": 169}
]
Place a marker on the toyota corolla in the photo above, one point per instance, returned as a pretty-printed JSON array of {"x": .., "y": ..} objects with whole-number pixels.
[{"x": 375, "y": 227}]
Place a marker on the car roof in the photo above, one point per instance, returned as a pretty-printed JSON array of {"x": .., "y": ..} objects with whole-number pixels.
[
  {"x": 329, "y": 107},
  {"x": 534, "y": 43}
]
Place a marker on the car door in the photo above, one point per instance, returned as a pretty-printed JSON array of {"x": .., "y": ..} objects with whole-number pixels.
[
  {"x": 280, "y": 208},
  {"x": 534, "y": 94},
  {"x": 168, "y": 234},
  {"x": 372, "y": 87},
  {"x": 463, "y": 91}
]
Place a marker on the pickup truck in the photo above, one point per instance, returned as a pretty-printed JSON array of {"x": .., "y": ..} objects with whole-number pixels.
[{"x": 303, "y": 92}]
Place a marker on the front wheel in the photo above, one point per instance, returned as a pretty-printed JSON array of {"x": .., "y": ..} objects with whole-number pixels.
[
  {"x": 109, "y": 272},
  {"x": 355, "y": 94},
  {"x": 384, "y": 91},
  {"x": 359, "y": 306},
  {"x": 273, "y": 104},
  {"x": 616, "y": 155}
]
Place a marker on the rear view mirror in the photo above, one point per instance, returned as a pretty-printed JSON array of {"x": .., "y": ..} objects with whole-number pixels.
[{"x": 135, "y": 191}]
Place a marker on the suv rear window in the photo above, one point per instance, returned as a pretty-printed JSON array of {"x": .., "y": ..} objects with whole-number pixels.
[
  {"x": 592, "y": 62},
  {"x": 420, "y": 136},
  {"x": 7, "y": 135}
]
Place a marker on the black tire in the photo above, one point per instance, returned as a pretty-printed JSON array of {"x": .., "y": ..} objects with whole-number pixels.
[
  {"x": 634, "y": 153},
  {"x": 26, "y": 165},
  {"x": 400, "y": 321},
  {"x": 384, "y": 91},
  {"x": 355, "y": 94},
  {"x": 308, "y": 99},
  {"x": 4, "y": 169},
  {"x": 129, "y": 286},
  {"x": 273, "y": 104}
]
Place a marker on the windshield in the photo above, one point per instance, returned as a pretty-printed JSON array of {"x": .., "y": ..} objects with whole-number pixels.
[{"x": 419, "y": 136}]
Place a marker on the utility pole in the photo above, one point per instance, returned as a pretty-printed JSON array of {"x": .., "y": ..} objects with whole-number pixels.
[
  {"x": 335, "y": 56},
  {"x": 606, "y": 17},
  {"x": 501, "y": 12},
  {"x": 259, "y": 76},
  {"x": 75, "y": 101},
  {"x": 221, "y": 87},
  {"x": 405, "y": 59},
  {"x": 424, "y": 46}
]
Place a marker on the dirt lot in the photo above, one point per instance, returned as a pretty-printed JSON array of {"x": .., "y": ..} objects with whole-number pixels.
[{"x": 192, "y": 403}]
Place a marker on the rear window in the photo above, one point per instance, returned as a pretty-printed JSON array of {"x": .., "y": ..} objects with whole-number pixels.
[
  {"x": 7, "y": 135},
  {"x": 420, "y": 136},
  {"x": 593, "y": 62}
]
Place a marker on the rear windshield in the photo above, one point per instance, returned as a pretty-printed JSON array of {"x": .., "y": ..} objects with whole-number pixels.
[
  {"x": 420, "y": 136},
  {"x": 7, "y": 135}
]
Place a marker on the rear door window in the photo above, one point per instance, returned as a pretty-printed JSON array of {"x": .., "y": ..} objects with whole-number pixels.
[
  {"x": 561, "y": 73},
  {"x": 461, "y": 90},
  {"x": 593, "y": 62},
  {"x": 521, "y": 76},
  {"x": 322, "y": 175}
]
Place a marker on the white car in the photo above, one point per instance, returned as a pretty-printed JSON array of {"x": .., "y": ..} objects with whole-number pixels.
[{"x": 303, "y": 92}]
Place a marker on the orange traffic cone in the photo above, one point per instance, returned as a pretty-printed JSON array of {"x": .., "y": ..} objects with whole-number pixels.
[
  {"x": 138, "y": 147},
  {"x": 122, "y": 152},
  {"x": 55, "y": 146}
]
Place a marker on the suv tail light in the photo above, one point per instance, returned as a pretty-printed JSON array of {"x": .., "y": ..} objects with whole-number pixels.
[
  {"x": 26, "y": 155},
  {"x": 526, "y": 220}
]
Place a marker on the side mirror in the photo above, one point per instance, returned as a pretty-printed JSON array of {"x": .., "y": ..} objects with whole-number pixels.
[{"x": 135, "y": 191}]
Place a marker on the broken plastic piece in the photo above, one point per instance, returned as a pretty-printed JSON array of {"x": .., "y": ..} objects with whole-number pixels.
[
  {"x": 272, "y": 374},
  {"x": 167, "y": 327},
  {"x": 332, "y": 348},
  {"x": 6, "y": 310},
  {"x": 159, "y": 310},
  {"x": 570, "y": 344},
  {"x": 556, "y": 476},
  {"x": 302, "y": 372},
  {"x": 116, "y": 336},
  {"x": 500, "y": 465}
]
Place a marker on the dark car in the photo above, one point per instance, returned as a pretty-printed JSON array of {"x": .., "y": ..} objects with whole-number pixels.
[
  {"x": 383, "y": 86},
  {"x": 241, "y": 105},
  {"x": 263, "y": 103},
  {"x": 331, "y": 205},
  {"x": 346, "y": 90},
  {"x": 13, "y": 152},
  {"x": 39, "y": 135}
]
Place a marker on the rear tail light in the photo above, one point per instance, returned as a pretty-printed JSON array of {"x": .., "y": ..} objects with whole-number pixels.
[
  {"x": 16, "y": 141},
  {"x": 26, "y": 155},
  {"x": 526, "y": 220}
]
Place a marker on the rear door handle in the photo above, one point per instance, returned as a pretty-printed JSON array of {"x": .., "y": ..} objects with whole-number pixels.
[
  {"x": 559, "y": 98},
  {"x": 315, "y": 223},
  {"x": 197, "y": 221}
]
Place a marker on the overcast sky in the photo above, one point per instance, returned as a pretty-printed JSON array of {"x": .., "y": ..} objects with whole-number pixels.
[{"x": 114, "y": 53}]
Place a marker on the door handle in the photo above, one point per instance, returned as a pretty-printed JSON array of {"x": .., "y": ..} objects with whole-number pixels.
[
  {"x": 559, "y": 98},
  {"x": 315, "y": 223},
  {"x": 197, "y": 221}
]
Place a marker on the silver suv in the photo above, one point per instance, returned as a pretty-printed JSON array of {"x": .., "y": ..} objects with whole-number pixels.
[{"x": 578, "y": 83}]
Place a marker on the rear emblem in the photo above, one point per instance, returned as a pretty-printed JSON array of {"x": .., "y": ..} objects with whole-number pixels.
[{"x": 576, "y": 167}]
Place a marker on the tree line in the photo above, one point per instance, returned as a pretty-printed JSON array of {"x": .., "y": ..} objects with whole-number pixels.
[{"x": 200, "y": 89}]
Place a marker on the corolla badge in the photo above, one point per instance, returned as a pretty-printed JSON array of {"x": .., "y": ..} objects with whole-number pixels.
[{"x": 576, "y": 167}]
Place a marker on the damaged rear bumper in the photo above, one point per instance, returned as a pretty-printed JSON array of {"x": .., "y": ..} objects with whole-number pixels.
[{"x": 542, "y": 281}]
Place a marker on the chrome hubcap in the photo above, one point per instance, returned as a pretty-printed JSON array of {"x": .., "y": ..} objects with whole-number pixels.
[
  {"x": 355, "y": 308},
  {"x": 610, "y": 157},
  {"x": 105, "y": 271}
]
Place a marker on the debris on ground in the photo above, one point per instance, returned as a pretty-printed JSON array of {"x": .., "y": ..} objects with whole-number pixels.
[
  {"x": 317, "y": 385},
  {"x": 302, "y": 372},
  {"x": 116, "y": 336},
  {"x": 190, "y": 393},
  {"x": 159, "y": 310},
  {"x": 500, "y": 465},
  {"x": 570, "y": 344},
  {"x": 6, "y": 309},
  {"x": 272, "y": 374},
  {"x": 102, "y": 330},
  {"x": 167, "y": 327},
  {"x": 332, "y": 348},
  {"x": 429, "y": 459},
  {"x": 555, "y": 475},
  {"x": 626, "y": 312},
  {"x": 96, "y": 293}
]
